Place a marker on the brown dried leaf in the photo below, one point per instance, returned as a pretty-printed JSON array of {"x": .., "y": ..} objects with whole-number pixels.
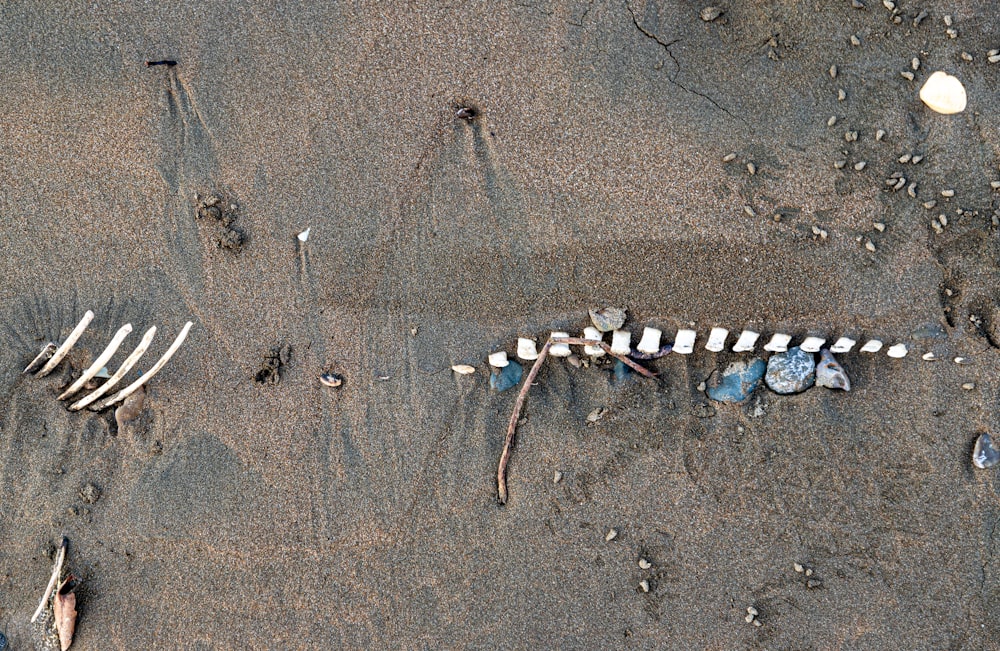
[{"x": 64, "y": 608}]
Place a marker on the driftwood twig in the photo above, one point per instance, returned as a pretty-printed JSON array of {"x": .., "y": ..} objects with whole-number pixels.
[
  {"x": 505, "y": 455},
  {"x": 56, "y": 570}
]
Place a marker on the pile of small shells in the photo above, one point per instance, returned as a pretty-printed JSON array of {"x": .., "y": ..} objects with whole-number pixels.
[{"x": 51, "y": 355}]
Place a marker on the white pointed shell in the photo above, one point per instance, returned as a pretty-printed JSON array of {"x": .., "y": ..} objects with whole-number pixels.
[
  {"x": 463, "y": 369},
  {"x": 498, "y": 359},
  {"x": 842, "y": 345},
  {"x": 778, "y": 343},
  {"x": 650, "y": 342},
  {"x": 812, "y": 344},
  {"x": 746, "y": 342},
  {"x": 943, "y": 93},
  {"x": 527, "y": 349},
  {"x": 621, "y": 342},
  {"x": 592, "y": 333},
  {"x": 684, "y": 341},
  {"x": 716, "y": 340},
  {"x": 898, "y": 351},
  {"x": 872, "y": 346},
  {"x": 560, "y": 349}
]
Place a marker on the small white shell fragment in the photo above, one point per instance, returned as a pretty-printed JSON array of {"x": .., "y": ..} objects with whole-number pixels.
[
  {"x": 644, "y": 564},
  {"x": 746, "y": 341},
  {"x": 897, "y": 351},
  {"x": 843, "y": 345},
  {"x": 621, "y": 342},
  {"x": 873, "y": 346},
  {"x": 592, "y": 333},
  {"x": 943, "y": 93},
  {"x": 728, "y": 158},
  {"x": 650, "y": 342},
  {"x": 556, "y": 477},
  {"x": 499, "y": 359},
  {"x": 717, "y": 340},
  {"x": 304, "y": 235},
  {"x": 644, "y": 585},
  {"x": 947, "y": 194},
  {"x": 812, "y": 344},
  {"x": 960, "y": 360},
  {"x": 930, "y": 357},
  {"x": 527, "y": 349},
  {"x": 611, "y": 535},
  {"x": 463, "y": 369},
  {"x": 558, "y": 349},
  {"x": 880, "y": 134},
  {"x": 778, "y": 343},
  {"x": 684, "y": 341}
]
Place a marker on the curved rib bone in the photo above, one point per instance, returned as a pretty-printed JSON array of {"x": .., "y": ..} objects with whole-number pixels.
[
  {"x": 48, "y": 350},
  {"x": 99, "y": 363},
  {"x": 66, "y": 345},
  {"x": 146, "y": 377},
  {"x": 120, "y": 373}
]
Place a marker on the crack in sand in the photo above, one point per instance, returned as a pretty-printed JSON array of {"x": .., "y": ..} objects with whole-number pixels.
[{"x": 677, "y": 65}]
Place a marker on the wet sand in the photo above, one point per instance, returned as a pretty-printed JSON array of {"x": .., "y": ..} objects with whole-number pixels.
[{"x": 288, "y": 515}]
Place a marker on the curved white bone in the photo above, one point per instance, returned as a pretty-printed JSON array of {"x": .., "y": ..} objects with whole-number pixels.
[
  {"x": 148, "y": 375},
  {"x": 99, "y": 363},
  {"x": 66, "y": 345},
  {"x": 120, "y": 373}
]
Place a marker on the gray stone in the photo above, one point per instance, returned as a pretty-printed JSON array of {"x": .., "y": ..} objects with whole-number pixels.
[
  {"x": 830, "y": 374},
  {"x": 738, "y": 381},
  {"x": 791, "y": 372},
  {"x": 986, "y": 454}
]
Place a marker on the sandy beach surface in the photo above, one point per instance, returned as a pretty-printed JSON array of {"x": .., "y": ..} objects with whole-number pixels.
[{"x": 244, "y": 509}]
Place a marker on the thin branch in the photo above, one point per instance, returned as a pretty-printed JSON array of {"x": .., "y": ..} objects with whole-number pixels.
[
  {"x": 60, "y": 557},
  {"x": 505, "y": 455}
]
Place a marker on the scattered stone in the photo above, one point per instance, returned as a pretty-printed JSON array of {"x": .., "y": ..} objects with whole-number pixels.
[
  {"x": 831, "y": 374},
  {"x": 880, "y": 134},
  {"x": 879, "y": 226},
  {"x": 334, "y": 380},
  {"x": 814, "y": 583},
  {"x": 608, "y": 319},
  {"x": 855, "y": 41},
  {"x": 644, "y": 564},
  {"x": 596, "y": 415},
  {"x": 708, "y": 14},
  {"x": 798, "y": 568},
  {"x": 557, "y": 477},
  {"x": 947, "y": 193},
  {"x": 463, "y": 369},
  {"x": 790, "y": 372},
  {"x": 751, "y": 169},
  {"x": 860, "y": 165},
  {"x": 702, "y": 386},
  {"x": 907, "y": 75},
  {"x": 969, "y": 386},
  {"x": 644, "y": 585},
  {"x": 943, "y": 93},
  {"x": 738, "y": 381},
  {"x": 841, "y": 94},
  {"x": 611, "y": 535},
  {"x": 986, "y": 454},
  {"x": 870, "y": 246},
  {"x": 728, "y": 158},
  {"x": 832, "y": 121},
  {"x": 833, "y": 71},
  {"x": 703, "y": 411},
  {"x": 621, "y": 371},
  {"x": 506, "y": 377}
]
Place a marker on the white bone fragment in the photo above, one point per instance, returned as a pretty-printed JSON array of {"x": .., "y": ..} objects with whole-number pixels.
[
  {"x": 684, "y": 341},
  {"x": 621, "y": 342},
  {"x": 943, "y": 93},
  {"x": 66, "y": 345},
  {"x": 560, "y": 349},
  {"x": 592, "y": 333},
  {"x": 304, "y": 235},
  {"x": 842, "y": 345},
  {"x": 126, "y": 366},
  {"x": 746, "y": 342},
  {"x": 897, "y": 351},
  {"x": 778, "y": 343},
  {"x": 650, "y": 342},
  {"x": 873, "y": 346},
  {"x": 498, "y": 359},
  {"x": 717, "y": 340},
  {"x": 48, "y": 350},
  {"x": 812, "y": 344},
  {"x": 99, "y": 363},
  {"x": 148, "y": 375},
  {"x": 526, "y": 349}
]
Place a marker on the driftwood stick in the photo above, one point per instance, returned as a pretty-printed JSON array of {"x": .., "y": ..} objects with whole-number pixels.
[
  {"x": 576, "y": 341},
  {"x": 56, "y": 571},
  {"x": 505, "y": 455}
]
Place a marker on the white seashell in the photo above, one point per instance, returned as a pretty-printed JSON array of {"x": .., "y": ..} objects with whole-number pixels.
[
  {"x": 557, "y": 349},
  {"x": 717, "y": 340},
  {"x": 873, "y": 346},
  {"x": 929, "y": 357},
  {"x": 778, "y": 343},
  {"x": 746, "y": 342},
  {"x": 650, "y": 342},
  {"x": 842, "y": 345},
  {"x": 812, "y": 344},
  {"x": 684, "y": 342},
  {"x": 943, "y": 93},
  {"x": 592, "y": 333},
  {"x": 304, "y": 235},
  {"x": 498, "y": 359},
  {"x": 66, "y": 345},
  {"x": 898, "y": 351},
  {"x": 99, "y": 363},
  {"x": 526, "y": 349},
  {"x": 126, "y": 366},
  {"x": 148, "y": 375},
  {"x": 463, "y": 369},
  {"x": 621, "y": 342}
]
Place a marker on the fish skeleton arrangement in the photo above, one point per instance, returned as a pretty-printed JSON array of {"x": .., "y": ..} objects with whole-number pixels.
[{"x": 51, "y": 355}]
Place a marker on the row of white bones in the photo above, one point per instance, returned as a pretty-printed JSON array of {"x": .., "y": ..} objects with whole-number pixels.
[
  {"x": 52, "y": 355},
  {"x": 649, "y": 344}
]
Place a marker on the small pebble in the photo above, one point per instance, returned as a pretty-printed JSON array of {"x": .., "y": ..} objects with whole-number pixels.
[
  {"x": 832, "y": 121},
  {"x": 880, "y": 134},
  {"x": 644, "y": 585},
  {"x": 596, "y": 414},
  {"x": 608, "y": 319},
  {"x": 833, "y": 71},
  {"x": 749, "y": 211},
  {"x": 905, "y": 158},
  {"x": 809, "y": 571},
  {"x": 947, "y": 20},
  {"x": 334, "y": 380},
  {"x": 889, "y": 4},
  {"x": 841, "y": 95},
  {"x": 751, "y": 168},
  {"x": 969, "y": 386},
  {"x": 947, "y": 193},
  {"x": 985, "y": 454},
  {"x": 851, "y": 136},
  {"x": 995, "y": 185},
  {"x": 738, "y": 381},
  {"x": 708, "y": 14},
  {"x": 855, "y": 40},
  {"x": 752, "y": 611},
  {"x": 966, "y": 56},
  {"x": 993, "y": 58},
  {"x": 929, "y": 357},
  {"x": 879, "y": 226},
  {"x": 839, "y": 164},
  {"x": 728, "y": 158},
  {"x": 506, "y": 377},
  {"x": 906, "y": 74},
  {"x": 860, "y": 165},
  {"x": 830, "y": 374},
  {"x": 557, "y": 477},
  {"x": 916, "y": 159},
  {"x": 870, "y": 246},
  {"x": 943, "y": 219},
  {"x": 790, "y": 372},
  {"x": 857, "y": 4},
  {"x": 644, "y": 564},
  {"x": 798, "y": 568},
  {"x": 611, "y": 535},
  {"x": 930, "y": 204},
  {"x": 951, "y": 32},
  {"x": 702, "y": 387},
  {"x": 911, "y": 190},
  {"x": 915, "y": 63}
]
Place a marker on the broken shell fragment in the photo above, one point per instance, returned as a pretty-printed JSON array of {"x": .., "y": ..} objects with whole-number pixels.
[
  {"x": 943, "y": 93},
  {"x": 558, "y": 349},
  {"x": 498, "y": 359},
  {"x": 684, "y": 341},
  {"x": 897, "y": 351},
  {"x": 66, "y": 345},
  {"x": 708, "y": 14},
  {"x": 873, "y": 346},
  {"x": 650, "y": 342},
  {"x": 593, "y": 334},
  {"x": 716, "y": 340},
  {"x": 830, "y": 374},
  {"x": 527, "y": 349},
  {"x": 608, "y": 319},
  {"x": 746, "y": 342},
  {"x": 621, "y": 342},
  {"x": 812, "y": 344},
  {"x": 778, "y": 343},
  {"x": 304, "y": 235},
  {"x": 842, "y": 345},
  {"x": 985, "y": 454},
  {"x": 463, "y": 369},
  {"x": 331, "y": 379}
]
